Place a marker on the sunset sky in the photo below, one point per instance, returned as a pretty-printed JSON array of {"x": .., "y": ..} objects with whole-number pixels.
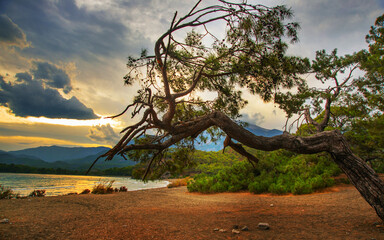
[{"x": 62, "y": 62}]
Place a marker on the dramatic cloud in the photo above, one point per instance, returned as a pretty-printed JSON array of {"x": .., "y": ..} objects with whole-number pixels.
[
  {"x": 23, "y": 77},
  {"x": 60, "y": 30},
  {"x": 10, "y": 33},
  {"x": 52, "y": 76},
  {"x": 104, "y": 134},
  {"x": 37, "y": 95}
]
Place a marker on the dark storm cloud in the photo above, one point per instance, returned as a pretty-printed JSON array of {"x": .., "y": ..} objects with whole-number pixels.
[
  {"x": 59, "y": 30},
  {"x": 23, "y": 77},
  {"x": 52, "y": 76},
  {"x": 28, "y": 97},
  {"x": 10, "y": 33}
]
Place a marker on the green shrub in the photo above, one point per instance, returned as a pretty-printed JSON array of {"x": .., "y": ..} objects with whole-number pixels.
[
  {"x": 201, "y": 184},
  {"x": 301, "y": 187},
  {"x": 261, "y": 183},
  {"x": 276, "y": 172},
  {"x": 321, "y": 181},
  {"x": 220, "y": 186},
  {"x": 229, "y": 179},
  {"x": 278, "y": 188},
  {"x": 259, "y": 187},
  {"x": 378, "y": 165}
]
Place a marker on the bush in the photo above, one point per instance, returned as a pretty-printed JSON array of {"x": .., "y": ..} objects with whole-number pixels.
[
  {"x": 276, "y": 172},
  {"x": 378, "y": 165},
  {"x": 229, "y": 179},
  {"x": 37, "y": 193},
  {"x": 103, "y": 187},
  {"x": 301, "y": 187},
  {"x": 201, "y": 184},
  {"x": 261, "y": 183},
  {"x": 85, "y": 191},
  {"x": 278, "y": 188},
  {"x": 179, "y": 182},
  {"x": 220, "y": 187},
  {"x": 123, "y": 189},
  {"x": 7, "y": 193}
]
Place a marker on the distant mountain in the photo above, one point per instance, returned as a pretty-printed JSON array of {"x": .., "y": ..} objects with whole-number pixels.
[
  {"x": 259, "y": 131},
  {"x": 9, "y": 158},
  {"x": 57, "y": 153},
  {"x": 218, "y": 145},
  {"x": 62, "y": 157}
]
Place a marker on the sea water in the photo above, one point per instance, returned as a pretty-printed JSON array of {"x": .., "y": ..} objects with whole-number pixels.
[{"x": 55, "y": 185}]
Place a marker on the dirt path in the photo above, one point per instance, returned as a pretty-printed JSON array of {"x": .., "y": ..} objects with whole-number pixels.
[{"x": 175, "y": 214}]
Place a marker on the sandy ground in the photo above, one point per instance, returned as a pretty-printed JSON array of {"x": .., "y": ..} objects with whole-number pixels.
[{"x": 340, "y": 213}]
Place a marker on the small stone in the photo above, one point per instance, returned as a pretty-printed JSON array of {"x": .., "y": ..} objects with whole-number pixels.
[
  {"x": 245, "y": 228},
  {"x": 235, "y": 227},
  {"x": 271, "y": 205},
  {"x": 4, "y": 221},
  {"x": 216, "y": 229},
  {"x": 222, "y": 230},
  {"x": 263, "y": 226},
  {"x": 235, "y": 231}
]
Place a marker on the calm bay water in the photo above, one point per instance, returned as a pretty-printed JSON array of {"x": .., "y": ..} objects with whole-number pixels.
[{"x": 63, "y": 184}]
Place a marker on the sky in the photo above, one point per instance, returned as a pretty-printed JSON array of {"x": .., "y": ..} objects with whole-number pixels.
[{"x": 62, "y": 62}]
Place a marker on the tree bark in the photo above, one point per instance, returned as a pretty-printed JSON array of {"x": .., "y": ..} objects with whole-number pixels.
[{"x": 362, "y": 176}]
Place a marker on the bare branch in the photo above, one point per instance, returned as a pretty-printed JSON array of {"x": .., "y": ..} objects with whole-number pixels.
[
  {"x": 192, "y": 87},
  {"x": 150, "y": 163},
  {"x": 125, "y": 110},
  {"x": 240, "y": 149}
]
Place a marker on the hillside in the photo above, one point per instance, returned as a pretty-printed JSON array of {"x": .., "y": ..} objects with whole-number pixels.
[
  {"x": 62, "y": 157},
  {"x": 8, "y": 158},
  {"x": 57, "y": 153}
]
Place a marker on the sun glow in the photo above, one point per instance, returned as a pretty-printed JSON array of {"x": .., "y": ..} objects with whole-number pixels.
[
  {"x": 21, "y": 142},
  {"x": 73, "y": 122},
  {"x": 7, "y": 117}
]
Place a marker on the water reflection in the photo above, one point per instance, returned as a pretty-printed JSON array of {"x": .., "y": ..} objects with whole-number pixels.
[{"x": 64, "y": 184}]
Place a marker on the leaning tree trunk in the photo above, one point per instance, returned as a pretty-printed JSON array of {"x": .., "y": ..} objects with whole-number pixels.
[{"x": 361, "y": 175}]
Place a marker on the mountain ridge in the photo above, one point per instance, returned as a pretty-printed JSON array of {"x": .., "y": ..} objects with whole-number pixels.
[
  {"x": 72, "y": 158},
  {"x": 59, "y": 153}
]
